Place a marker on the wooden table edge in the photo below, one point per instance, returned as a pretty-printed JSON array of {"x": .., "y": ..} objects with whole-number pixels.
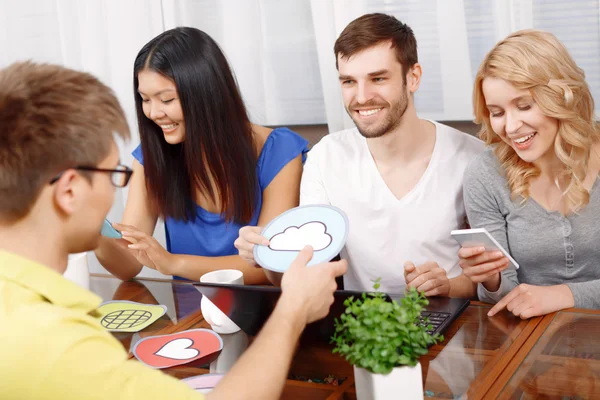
[
  {"x": 579, "y": 311},
  {"x": 516, "y": 361},
  {"x": 103, "y": 275},
  {"x": 498, "y": 366},
  {"x": 339, "y": 392}
]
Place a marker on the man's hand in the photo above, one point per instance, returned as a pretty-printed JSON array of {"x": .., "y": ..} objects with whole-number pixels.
[
  {"x": 308, "y": 291},
  {"x": 526, "y": 301},
  {"x": 428, "y": 278}
]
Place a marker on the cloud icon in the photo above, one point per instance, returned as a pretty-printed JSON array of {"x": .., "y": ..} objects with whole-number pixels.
[{"x": 294, "y": 238}]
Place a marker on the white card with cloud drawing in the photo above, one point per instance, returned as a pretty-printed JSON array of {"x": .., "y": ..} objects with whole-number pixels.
[{"x": 323, "y": 227}]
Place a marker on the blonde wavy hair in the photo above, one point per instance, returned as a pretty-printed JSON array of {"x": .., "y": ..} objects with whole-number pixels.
[{"x": 536, "y": 61}]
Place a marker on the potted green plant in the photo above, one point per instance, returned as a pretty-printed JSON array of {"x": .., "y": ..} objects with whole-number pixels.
[{"x": 383, "y": 340}]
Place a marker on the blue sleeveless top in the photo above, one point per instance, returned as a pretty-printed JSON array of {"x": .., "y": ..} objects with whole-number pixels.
[{"x": 210, "y": 235}]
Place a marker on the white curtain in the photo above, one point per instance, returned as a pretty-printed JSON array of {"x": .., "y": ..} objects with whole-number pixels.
[
  {"x": 453, "y": 36},
  {"x": 281, "y": 51},
  {"x": 270, "y": 45},
  {"x": 99, "y": 37},
  {"x": 443, "y": 53}
]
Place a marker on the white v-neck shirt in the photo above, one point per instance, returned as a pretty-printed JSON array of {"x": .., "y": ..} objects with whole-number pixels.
[{"x": 384, "y": 231}]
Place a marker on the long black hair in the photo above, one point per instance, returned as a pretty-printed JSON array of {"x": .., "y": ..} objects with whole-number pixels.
[{"x": 219, "y": 143}]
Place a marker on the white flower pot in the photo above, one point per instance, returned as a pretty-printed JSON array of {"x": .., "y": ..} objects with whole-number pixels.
[{"x": 402, "y": 383}]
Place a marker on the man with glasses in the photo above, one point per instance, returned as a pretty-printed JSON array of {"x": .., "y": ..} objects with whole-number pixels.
[{"x": 59, "y": 167}]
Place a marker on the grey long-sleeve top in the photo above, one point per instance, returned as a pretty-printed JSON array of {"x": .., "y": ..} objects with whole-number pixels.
[{"x": 550, "y": 248}]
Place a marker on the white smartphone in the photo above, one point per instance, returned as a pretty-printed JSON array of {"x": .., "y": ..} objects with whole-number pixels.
[{"x": 480, "y": 237}]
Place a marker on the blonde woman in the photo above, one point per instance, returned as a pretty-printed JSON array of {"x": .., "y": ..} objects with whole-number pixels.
[{"x": 535, "y": 190}]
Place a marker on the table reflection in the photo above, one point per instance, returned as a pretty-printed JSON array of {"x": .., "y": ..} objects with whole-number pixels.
[{"x": 563, "y": 364}]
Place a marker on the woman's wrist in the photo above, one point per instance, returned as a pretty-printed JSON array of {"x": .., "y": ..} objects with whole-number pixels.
[
  {"x": 493, "y": 283},
  {"x": 174, "y": 265},
  {"x": 564, "y": 293}
]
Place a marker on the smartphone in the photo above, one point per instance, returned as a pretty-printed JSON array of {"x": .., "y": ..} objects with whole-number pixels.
[
  {"x": 480, "y": 237},
  {"x": 109, "y": 231}
]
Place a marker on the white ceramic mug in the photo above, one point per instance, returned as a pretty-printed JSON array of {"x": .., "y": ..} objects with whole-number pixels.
[
  {"x": 219, "y": 322},
  {"x": 77, "y": 270}
]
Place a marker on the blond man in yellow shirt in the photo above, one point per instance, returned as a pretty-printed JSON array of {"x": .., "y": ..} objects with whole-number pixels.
[{"x": 59, "y": 167}]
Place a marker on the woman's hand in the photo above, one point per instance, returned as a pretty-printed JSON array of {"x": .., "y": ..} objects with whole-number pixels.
[
  {"x": 526, "y": 301},
  {"x": 482, "y": 266},
  {"x": 249, "y": 236},
  {"x": 148, "y": 251}
]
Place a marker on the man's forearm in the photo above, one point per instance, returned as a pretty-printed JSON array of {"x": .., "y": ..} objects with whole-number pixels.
[{"x": 262, "y": 370}]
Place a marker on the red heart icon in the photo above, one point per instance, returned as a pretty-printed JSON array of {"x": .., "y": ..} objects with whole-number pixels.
[{"x": 178, "y": 348}]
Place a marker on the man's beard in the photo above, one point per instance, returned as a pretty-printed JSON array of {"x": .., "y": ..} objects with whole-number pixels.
[{"x": 395, "y": 113}]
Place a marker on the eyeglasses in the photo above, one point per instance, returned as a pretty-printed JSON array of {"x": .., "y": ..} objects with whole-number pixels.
[{"x": 119, "y": 176}]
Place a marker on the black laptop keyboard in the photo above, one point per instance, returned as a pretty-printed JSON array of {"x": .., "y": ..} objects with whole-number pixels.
[{"x": 435, "y": 319}]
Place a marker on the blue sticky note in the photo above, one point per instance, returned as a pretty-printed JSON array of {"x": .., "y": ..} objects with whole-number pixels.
[{"x": 323, "y": 227}]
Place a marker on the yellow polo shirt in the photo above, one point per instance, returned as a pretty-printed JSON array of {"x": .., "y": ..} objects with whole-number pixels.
[{"x": 52, "y": 346}]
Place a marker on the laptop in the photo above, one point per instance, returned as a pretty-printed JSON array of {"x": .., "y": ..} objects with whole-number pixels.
[{"x": 250, "y": 306}]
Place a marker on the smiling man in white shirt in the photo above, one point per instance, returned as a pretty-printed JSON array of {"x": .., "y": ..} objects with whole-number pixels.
[{"x": 397, "y": 177}]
